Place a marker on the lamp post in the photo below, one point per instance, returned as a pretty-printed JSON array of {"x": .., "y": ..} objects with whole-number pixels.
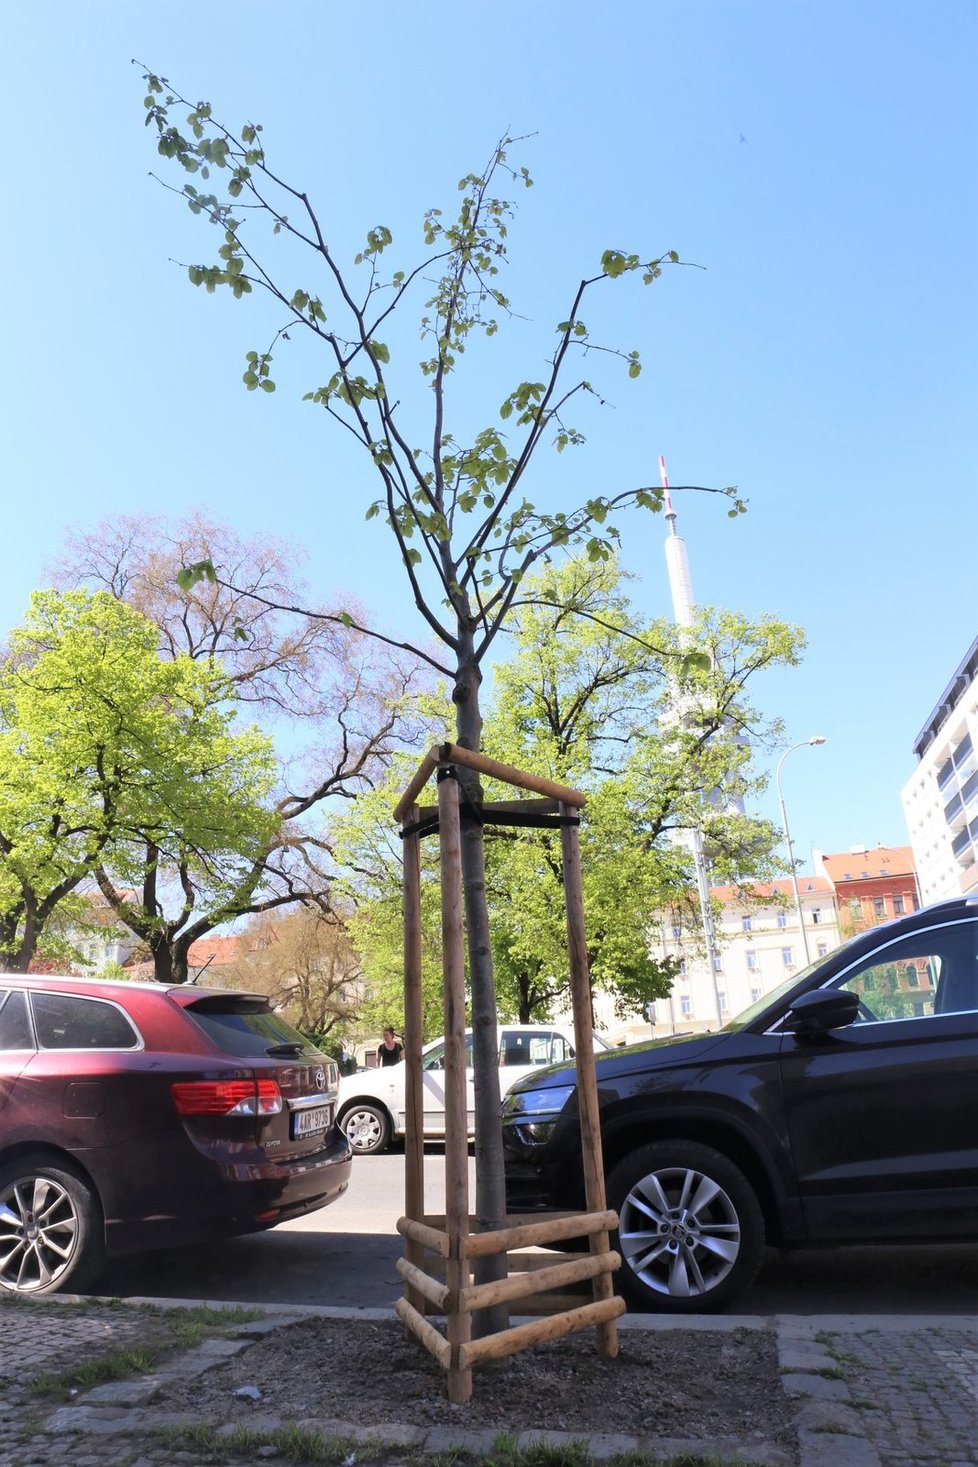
[{"x": 815, "y": 739}]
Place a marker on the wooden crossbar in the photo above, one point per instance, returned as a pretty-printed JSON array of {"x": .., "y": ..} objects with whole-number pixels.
[
  {"x": 555, "y": 1327},
  {"x": 503, "y": 1240},
  {"x": 430, "y": 1238},
  {"x": 434, "y": 1343},
  {"x": 522, "y": 1285},
  {"x": 431, "y": 1289}
]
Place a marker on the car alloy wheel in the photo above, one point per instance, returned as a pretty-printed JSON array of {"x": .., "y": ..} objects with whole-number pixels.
[
  {"x": 690, "y": 1230},
  {"x": 49, "y": 1230},
  {"x": 367, "y": 1129}
]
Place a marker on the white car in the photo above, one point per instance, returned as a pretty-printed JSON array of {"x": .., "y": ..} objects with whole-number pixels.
[{"x": 371, "y": 1103}]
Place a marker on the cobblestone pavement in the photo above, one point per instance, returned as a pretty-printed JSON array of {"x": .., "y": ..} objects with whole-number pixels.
[
  {"x": 901, "y": 1393},
  {"x": 885, "y": 1392}
]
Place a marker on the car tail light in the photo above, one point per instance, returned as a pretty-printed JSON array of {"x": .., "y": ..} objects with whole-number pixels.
[{"x": 227, "y": 1097}]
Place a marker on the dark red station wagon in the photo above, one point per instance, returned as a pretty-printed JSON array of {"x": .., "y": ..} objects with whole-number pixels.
[{"x": 136, "y": 1116}]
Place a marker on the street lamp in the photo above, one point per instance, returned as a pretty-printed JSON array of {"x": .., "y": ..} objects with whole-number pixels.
[{"x": 815, "y": 739}]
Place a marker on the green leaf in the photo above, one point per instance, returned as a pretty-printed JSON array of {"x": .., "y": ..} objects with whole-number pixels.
[
  {"x": 267, "y": 385},
  {"x": 635, "y": 369}
]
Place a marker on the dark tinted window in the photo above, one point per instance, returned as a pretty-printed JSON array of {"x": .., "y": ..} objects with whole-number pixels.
[
  {"x": 15, "y": 1023},
  {"x": 242, "y": 1028},
  {"x": 63, "y": 1021}
]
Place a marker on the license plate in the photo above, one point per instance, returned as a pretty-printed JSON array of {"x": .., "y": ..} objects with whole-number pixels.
[{"x": 309, "y": 1122}]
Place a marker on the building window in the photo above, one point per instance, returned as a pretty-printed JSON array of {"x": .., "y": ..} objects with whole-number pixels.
[
  {"x": 677, "y": 931},
  {"x": 745, "y": 924},
  {"x": 718, "y": 965},
  {"x": 755, "y": 995},
  {"x": 787, "y": 956},
  {"x": 752, "y": 962},
  {"x": 816, "y": 916},
  {"x": 822, "y": 950},
  {"x": 682, "y": 967},
  {"x": 685, "y": 1005},
  {"x": 879, "y": 906},
  {"x": 782, "y": 919},
  {"x": 721, "y": 1001},
  {"x": 912, "y": 976},
  {"x": 898, "y": 906},
  {"x": 855, "y": 907}
]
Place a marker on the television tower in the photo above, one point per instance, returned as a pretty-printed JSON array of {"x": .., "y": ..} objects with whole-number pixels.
[{"x": 684, "y": 615}]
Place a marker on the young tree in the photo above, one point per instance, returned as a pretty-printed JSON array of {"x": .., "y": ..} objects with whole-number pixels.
[
  {"x": 454, "y": 500},
  {"x": 587, "y": 698},
  {"x": 103, "y": 745}
]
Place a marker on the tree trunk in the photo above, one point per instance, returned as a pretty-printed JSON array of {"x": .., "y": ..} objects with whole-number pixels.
[
  {"x": 490, "y": 1186},
  {"x": 163, "y": 964}
]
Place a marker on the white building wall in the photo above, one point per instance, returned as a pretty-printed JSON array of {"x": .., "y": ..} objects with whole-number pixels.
[
  {"x": 940, "y": 799},
  {"x": 754, "y": 960}
]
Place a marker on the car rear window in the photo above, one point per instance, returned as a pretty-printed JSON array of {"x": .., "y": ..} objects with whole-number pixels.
[
  {"x": 64, "y": 1021},
  {"x": 244, "y": 1028}
]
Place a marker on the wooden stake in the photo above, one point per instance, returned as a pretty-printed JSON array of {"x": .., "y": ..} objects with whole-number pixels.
[
  {"x": 456, "y": 1107},
  {"x": 413, "y": 1030},
  {"x": 587, "y": 1087}
]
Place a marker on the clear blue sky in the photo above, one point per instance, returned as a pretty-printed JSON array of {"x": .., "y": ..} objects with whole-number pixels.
[{"x": 819, "y": 160}]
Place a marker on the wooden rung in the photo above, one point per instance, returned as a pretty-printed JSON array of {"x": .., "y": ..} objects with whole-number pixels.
[
  {"x": 435, "y": 1242},
  {"x": 435, "y": 1292},
  {"x": 507, "y": 773},
  {"x": 503, "y": 1240},
  {"x": 523, "y": 1336},
  {"x": 421, "y": 777},
  {"x": 518, "y": 1286},
  {"x": 434, "y": 1342}
]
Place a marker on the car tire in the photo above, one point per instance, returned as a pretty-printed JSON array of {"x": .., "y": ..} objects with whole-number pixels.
[
  {"x": 51, "y": 1228},
  {"x": 690, "y": 1228},
  {"x": 367, "y": 1128}
]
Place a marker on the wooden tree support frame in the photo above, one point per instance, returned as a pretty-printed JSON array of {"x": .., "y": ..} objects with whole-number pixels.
[{"x": 455, "y": 1244}]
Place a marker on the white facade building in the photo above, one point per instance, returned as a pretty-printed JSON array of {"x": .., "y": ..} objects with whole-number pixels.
[
  {"x": 940, "y": 800},
  {"x": 759, "y": 945}
]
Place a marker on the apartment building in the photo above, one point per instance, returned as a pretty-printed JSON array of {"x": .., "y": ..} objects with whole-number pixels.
[
  {"x": 940, "y": 799},
  {"x": 760, "y": 945},
  {"x": 870, "y": 884}
]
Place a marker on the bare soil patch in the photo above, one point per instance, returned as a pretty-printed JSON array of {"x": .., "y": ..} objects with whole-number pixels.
[{"x": 698, "y": 1385}]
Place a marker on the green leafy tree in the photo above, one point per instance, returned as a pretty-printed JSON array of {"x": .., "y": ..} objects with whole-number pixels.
[
  {"x": 349, "y": 703},
  {"x": 106, "y": 749},
  {"x": 454, "y": 497}
]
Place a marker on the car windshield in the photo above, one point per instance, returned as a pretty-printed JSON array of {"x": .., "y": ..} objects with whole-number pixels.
[{"x": 768, "y": 1000}]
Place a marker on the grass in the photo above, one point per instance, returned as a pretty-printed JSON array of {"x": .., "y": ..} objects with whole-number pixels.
[
  {"x": 174, "y": 1329},
  {"x": 292, "y": 1444}
]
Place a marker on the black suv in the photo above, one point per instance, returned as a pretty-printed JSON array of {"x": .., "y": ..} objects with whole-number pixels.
[{"x": 842, "y": 1108}]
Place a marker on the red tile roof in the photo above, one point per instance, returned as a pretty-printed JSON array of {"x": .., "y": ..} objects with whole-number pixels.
[
  {"x": 214, "y": 951},
  {"x": 807, "y": 885},
  {"x": 869, "y": 865}
]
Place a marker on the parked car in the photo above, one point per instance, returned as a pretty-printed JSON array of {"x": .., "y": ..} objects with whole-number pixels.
[
  {"x": 372, "y": 1102},
  {"x": 842, "y": 1108},
  {"x": 136, "y": 1116}
]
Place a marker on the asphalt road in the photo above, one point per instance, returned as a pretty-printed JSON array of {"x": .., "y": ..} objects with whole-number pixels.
[{"x": 346, "y": 1255}]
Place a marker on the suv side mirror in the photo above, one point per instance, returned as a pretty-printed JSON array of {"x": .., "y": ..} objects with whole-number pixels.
[{"x": 820, "y": 1010}]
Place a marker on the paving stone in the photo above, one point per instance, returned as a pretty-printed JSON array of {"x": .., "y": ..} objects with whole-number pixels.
[
  {"x": 816, "y": 1387},
  {"x": 822, "y": 1449},
  {"x": 138, "y": 1392}
]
